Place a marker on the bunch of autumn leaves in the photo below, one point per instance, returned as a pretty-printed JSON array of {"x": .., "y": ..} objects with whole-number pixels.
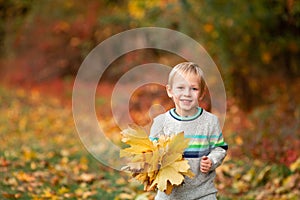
[{"x": 157, "y": 164}]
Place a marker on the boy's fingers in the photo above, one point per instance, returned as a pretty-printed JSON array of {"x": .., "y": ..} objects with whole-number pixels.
[
  {"x": 204, "y": 158},
  {"x": 205, "y": 164},
  {"x": 204, "y": 170}
]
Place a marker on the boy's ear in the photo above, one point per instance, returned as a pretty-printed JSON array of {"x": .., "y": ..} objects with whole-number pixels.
[{"x": 169, "y": 91}]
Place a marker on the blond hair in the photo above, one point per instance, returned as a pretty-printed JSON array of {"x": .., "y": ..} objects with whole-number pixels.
[{"x": 186, "y": 68}]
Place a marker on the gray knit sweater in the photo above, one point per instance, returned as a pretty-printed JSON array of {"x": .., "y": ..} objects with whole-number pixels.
[{"x": 205, "y": 139}]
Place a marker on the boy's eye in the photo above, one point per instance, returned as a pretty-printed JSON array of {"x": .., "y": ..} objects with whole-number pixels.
[
  {"x": 195, "y": 89},
  {"x": 180, "y": 87}
]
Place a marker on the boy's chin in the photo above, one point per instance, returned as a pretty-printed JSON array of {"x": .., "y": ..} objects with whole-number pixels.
[{"x": 187, "y": 109}]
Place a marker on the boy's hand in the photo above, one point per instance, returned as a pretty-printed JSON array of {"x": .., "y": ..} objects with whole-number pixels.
[{"x": 205, "y": 164}]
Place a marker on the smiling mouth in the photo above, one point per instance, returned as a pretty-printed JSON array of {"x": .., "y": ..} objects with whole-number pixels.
[{"x": 186, "y": 101}]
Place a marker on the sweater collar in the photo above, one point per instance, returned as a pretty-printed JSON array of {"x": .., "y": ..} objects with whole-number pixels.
[{"x": 180, "y": 118}]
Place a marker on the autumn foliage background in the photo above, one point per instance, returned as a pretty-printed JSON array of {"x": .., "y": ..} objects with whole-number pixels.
[{"x": 42, "y": 43}]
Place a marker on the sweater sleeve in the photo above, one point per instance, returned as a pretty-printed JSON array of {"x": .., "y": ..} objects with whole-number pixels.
[
  {"x": 156, "y": 128},
  {"x": 217, "y": 145}
]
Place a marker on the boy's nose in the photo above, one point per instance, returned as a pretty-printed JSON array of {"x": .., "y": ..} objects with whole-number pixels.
[{"x": 186, "y": 91}]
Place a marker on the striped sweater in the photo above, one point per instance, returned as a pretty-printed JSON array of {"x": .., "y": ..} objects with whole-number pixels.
[{"x": 205, "y": 139}]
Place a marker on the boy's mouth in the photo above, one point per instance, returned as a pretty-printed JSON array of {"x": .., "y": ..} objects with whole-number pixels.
[{"x": 185, "y": 101}]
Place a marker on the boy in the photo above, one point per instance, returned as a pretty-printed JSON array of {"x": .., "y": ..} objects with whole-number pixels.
[{"x": 207, "y": 148}]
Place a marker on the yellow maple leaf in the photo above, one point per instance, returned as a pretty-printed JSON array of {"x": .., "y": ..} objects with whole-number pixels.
[
  {"x": 181, "y": 165},
  {"x": 168, "y": 173},
  {"x": 156, "y": 164},
  {"x": 178, "y": 143},
  {"x": 138, "y": 140},
  {"x": 174, "y": 149},
  {"x": 134, "y": 132}
]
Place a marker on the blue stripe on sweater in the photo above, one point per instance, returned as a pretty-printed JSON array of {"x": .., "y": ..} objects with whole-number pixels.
[{"x": 195, "y": 154}]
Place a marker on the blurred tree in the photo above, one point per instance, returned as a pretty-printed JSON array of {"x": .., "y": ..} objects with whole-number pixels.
[
  {"x": 253, "y": 42},
  {"x": 12, "y": 13}
]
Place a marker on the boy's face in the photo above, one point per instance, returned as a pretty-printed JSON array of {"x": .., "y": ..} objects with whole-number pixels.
[{"x": 185, "y": 92}]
